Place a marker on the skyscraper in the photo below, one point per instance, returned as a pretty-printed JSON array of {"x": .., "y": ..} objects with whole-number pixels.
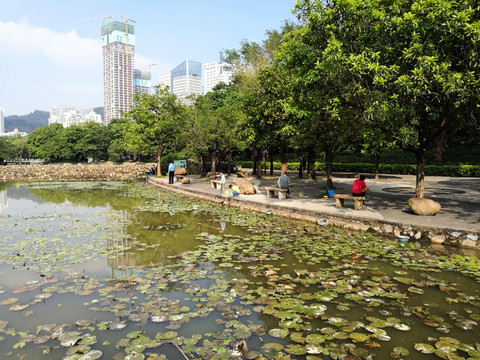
[
  {"x": 186, "y": 79},
  {"x": 118, "y": 42},
  {"x": 143, "y": 81},
  {"x": 214, "y": 73}
]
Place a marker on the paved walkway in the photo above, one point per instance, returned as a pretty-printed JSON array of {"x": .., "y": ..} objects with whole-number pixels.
[{"x": 386, "y": 199}]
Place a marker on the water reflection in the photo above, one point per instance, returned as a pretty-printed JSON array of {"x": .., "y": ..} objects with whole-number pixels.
[{"x": 149, "y": 265}]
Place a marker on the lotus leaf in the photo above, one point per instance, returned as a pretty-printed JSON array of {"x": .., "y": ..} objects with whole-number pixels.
[
  {"x": 295, "y": 349},
  {"x": 359, "y": 337},
  {"x": 424, "y": 348},
  {"x": 400, "y": 351},
  {"x": 9, "y": 301},
  {"x": 279, "y": 333},
  {"x": 337, "y": 321},
  {"x": 70, "y": 338}
]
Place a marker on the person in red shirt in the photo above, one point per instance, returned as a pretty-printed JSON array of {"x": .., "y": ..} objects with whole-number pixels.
[{"x": 359, "y": 187}]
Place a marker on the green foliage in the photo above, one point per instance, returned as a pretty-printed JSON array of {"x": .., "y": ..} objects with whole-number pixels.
[
  {"x": 368, "y": 168},
  {"x": 44, "y": 142},
  {"x": 116, "y": 134}
]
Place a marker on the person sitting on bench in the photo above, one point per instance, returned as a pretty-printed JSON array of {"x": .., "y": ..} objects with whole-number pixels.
[
  {"x": 284, "y": 182},
  {"x": 359, "y": 187}
]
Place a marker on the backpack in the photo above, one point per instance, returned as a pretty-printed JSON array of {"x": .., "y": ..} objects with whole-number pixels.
[{"x": 330, "y": 192}]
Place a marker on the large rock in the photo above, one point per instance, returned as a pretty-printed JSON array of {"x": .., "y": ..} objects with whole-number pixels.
[
  {"x": 246, "y": 186},
  {"x": 425, "y": 207},
  {"x": 185, "y": 181},
  {"x": 180, "y": 171}
]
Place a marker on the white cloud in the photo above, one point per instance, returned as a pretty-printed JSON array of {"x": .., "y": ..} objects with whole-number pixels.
[{"x": 65, "y": 49}]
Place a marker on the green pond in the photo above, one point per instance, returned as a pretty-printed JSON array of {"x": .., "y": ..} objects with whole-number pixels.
[{"x": 117, "y": 270}]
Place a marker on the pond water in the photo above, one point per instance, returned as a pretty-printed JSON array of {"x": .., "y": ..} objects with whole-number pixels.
[{"x": 122, "y": 270}]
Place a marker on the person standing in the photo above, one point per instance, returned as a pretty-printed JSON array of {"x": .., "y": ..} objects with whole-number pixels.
[
  {"x": 359, "y": 187},
  {"x": 284, "y": 182},
  {"x": 222, "y": 182},
  {"x": 171, "y": 172}
]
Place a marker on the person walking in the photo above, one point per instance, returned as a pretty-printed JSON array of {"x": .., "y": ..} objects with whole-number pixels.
[
  {"x": 222, "y": 182},
  {"x": 171, "y": 172}
]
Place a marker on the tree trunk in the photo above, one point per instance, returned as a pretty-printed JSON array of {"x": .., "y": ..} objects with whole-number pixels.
[
  {"x": 229, "y": 158},
  {"x": 271, "y": 164},
  {"x": 259, "y": 166},
  {"x": 311, "y": 163},
  {"x": 257, "y": 163},
  {"x": 203, "y": 170},
  {"x": 254, "y": 158},
  {"x": 300, "y": 167},
  {"x": 212, "y": 169},
  {"x": 420, "y": 179},
  {"x": 159, "y": 158},
  {"x": 377, "y": 165},
  {"x": 441, "y": 146},
  {"x": 283, "y": 157},
  {"x": 329, "y": 165}
]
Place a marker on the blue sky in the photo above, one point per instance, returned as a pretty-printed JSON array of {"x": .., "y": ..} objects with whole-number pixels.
[{"x": 49, "y": 57}]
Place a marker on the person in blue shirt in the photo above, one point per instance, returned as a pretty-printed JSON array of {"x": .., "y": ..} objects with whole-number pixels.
[
  {"x": 171, "y": 172},
  {"x": 284, "y": 182}
]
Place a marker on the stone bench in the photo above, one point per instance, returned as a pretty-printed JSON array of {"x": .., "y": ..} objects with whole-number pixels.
[
  {"x": 358, "y": 200},
  {"x": 179, "y": 177},
  {"x": 214, "y": 184},
  {"x": 282, "y": 193}
]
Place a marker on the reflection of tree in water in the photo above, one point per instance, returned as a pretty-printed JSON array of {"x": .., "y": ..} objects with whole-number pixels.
[
  {"x": 160, "y": 235},
  {"x": 88, "y": 198}
]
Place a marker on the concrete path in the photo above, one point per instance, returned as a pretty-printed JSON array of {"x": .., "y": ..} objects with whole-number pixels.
[{"x": 386, "y": 200}]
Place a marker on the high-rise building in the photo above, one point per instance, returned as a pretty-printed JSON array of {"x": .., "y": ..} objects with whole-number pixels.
[
  {"x": 165, "y": 80},
  {"x": 118, "y": 42},
  {"x": 143, "y": 81},
  {"x": 214, "y": 73},
  {"x": 67, "y": 115},
  {"x": 186, "y": 79},
  {"x": 2, "y": 121}
]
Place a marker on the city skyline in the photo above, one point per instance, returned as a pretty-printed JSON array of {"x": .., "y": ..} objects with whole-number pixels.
[{"x": 50, "y": 57}]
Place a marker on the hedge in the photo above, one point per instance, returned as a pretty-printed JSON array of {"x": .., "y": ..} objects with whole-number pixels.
[{"x": 403, "y": 169}]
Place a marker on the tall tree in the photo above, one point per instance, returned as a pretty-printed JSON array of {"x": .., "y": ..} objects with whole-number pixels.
[
  {"x": 324, "y": 98},
  {"x": 43, "y": 142},
  {"x": 266, "y": 124},
  {"x": 116, "y": 130},
  {"x": 157, "y": 120},
  {"x": 414, "y": 61}
]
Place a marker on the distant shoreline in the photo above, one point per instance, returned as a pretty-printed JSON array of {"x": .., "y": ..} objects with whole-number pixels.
[{"x": 102, "y": 171}]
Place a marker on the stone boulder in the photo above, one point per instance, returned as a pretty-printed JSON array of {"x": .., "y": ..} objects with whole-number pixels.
[
  {"x": 424, "y": 207},
  {"x": 180, "y": 171},
  {"x": 243, "y": 174},
  {"x": 185, "y": 181},
  {"x": 246, "y": 186}
]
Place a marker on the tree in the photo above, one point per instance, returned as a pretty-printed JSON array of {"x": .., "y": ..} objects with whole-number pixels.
[
  {"x": 43, "y": 142},
  {"x": 116, "y": 139},
  {"x": 157, "y": 120},
  {"x": 94, "y": 143},
  {"x": 20, "y": 147},
  {"x": 414, "y": 63},
  {"x": 69, "y": 144},
  {"x": 266, "y": 124},
  {"x": 324, "y": 99}
]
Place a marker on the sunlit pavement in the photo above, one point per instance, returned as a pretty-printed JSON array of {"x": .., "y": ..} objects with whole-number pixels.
[{"x": 386, "y": 198}]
